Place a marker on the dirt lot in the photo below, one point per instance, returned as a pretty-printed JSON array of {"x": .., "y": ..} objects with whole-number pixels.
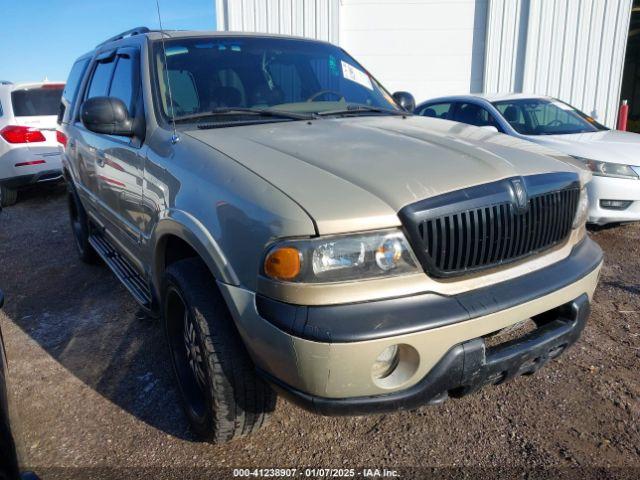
[{"x": 92, "y": 385}]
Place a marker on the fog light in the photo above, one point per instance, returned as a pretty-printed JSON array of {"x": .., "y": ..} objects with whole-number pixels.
[
  {"x": 615, "y": 204},
  {"x": 386, "y": 362}
]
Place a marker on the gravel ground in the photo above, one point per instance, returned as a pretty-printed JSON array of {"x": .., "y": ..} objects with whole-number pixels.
[{"x": 94, "y": 396}]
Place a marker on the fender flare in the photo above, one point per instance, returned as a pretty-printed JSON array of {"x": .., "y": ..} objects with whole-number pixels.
[{"x": 189, "y": 229}]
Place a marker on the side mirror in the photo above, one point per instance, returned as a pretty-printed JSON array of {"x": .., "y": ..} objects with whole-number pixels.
[
  {"x": 405, "y": 100},
  {"x": 107, "y": 115},
  {"x": 490, "y": 128}
]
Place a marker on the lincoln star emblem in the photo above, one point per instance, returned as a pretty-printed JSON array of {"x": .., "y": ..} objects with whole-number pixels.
[{"x": 520, "y": 194}]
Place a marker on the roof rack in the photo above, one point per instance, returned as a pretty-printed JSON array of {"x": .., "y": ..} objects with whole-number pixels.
[
  {"x": 128, "y": 33},
  {"x": 6, "y": 82}
]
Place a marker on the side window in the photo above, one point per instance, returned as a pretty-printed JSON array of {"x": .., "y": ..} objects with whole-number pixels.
[
  {"x": 473, "y": 114},
  {"x": 439, "y": 110},
  {"x": 99, "y": 86},
  {"x": 122, "y": 85},
  {"x": 514, "y": 114}
]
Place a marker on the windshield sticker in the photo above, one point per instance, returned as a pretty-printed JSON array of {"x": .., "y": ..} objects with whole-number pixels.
[{"x": 358, "y": 76}]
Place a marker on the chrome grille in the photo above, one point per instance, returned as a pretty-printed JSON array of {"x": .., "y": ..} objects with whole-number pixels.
[{"x": 488, "y": 235}]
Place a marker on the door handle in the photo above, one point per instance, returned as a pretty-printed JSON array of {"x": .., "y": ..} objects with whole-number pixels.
[{"x": 100, "y": 158}]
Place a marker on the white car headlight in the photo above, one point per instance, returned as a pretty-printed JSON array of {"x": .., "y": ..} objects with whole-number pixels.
[
  {"x": 607, "y": 169},
  {"x": 583, "y": 209},
  {"x": 341, "y": 258}
]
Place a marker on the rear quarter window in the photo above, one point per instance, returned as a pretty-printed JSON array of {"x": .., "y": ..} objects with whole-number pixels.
[
  {"x": 71, "y": 89},
  {"x": 36, "y": 101},
  {"x": 73, "y": 82}
]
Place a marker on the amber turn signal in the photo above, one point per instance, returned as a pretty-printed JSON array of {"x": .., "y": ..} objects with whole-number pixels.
[{"x": 282, "y": 263}]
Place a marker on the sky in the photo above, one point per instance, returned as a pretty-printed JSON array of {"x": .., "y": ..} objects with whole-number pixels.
[{"x": 42, "y": 38}]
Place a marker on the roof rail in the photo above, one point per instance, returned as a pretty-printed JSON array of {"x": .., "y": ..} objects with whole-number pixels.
[
  {"x": 128, "y": 33},
  {"x": 6, "y": 82}
]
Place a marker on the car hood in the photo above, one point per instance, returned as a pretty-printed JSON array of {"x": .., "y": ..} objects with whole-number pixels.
[
  {"x": 353, "y": 174},
  {"x": 606, "y": 146}
]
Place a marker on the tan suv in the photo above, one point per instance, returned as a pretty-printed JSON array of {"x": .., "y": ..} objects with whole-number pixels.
[{"x": 295, "y": 228}]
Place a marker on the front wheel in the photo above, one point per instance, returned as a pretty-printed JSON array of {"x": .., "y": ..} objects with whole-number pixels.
[{"x": 222, "y": 395}]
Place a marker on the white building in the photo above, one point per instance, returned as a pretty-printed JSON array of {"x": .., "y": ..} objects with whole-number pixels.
[{"x": 570, "y": 49}]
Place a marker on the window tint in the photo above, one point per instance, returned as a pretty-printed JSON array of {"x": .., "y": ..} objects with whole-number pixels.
[
  {"x": 286, "y": 78},
  {"x": 472, "y": 114},
  {"x": 183, "y": 92},
  {"x": 226, "y": 90},
  {"x": 36, "y": 101},
  {"x": 439, "y": 110},
  {"x": 100, "y": 80},
  {"x": 207, "y": 73},
  {"x": 122, "y": 83},
  {"x": 73, "y": 82}
]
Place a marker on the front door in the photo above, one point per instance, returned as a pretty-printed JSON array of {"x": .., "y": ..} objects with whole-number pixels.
[{"x": 116, "y": 163}]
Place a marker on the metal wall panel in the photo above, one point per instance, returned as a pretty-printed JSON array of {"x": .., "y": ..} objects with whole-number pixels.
[
  {"x": 305, "y": 18},
  {"x": 504, "y": 57},
  {"x": 570, "y": 49},
  {"x": 428, "y": 47}
]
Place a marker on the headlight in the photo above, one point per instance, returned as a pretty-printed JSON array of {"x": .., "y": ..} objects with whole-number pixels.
[
  {"x": 606, "y": 169},
  {"x": 340, "y": 258},
  {"x": 582, "y": 210}
]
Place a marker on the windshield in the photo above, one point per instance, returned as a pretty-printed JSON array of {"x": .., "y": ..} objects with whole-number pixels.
[
  {"x": 542, "y": 116},
  {"x": 211, "y": 75},
  {"x": 36, "y": 101}
]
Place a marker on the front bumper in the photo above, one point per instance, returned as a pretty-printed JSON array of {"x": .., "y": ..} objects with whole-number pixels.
[
  {"x": 608, "y": 188},
  {"x": 322, "y": 356},
  {"x": 465, "y": 368}
]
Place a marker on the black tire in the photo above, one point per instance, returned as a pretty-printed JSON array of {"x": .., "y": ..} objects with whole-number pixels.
[
  {"x": 8, "y": 196},
  {"x": 80, "y": 227},
  {"x": 222, "y": 395}
]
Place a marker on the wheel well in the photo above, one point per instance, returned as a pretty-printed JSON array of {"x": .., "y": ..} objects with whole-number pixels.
[{"x": 176, "y": 249}]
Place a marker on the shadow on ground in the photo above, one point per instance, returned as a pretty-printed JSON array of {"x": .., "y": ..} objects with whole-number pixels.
[{"x": 81, "y": 315}]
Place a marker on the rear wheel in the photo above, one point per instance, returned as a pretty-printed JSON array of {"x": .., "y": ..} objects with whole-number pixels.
[
  {"x": 80, "y": 227},
  {"x": 8, "y": 196},
  {"x": 222, "y": 395}
]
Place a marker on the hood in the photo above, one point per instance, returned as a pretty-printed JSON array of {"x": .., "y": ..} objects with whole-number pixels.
[
  {"x": 354, "y": 174},
  {"x": 606, "y": 146}
]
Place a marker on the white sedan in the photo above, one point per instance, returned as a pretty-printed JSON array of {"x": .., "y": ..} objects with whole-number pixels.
[{"x": 612, "y": 156}]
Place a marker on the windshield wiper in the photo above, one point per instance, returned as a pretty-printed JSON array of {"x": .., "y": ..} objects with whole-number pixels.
[
  {"x": 241, "y": 110},
  {"x": 359, "y": 108}
]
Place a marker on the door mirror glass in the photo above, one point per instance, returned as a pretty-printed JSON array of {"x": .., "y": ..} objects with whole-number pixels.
[
  {"x": 107, "y": 115},
  {"x": 405, "y": 100}
]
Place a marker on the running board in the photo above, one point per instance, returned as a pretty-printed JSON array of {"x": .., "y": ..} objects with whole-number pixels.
[{"x": 122, "y": 268}]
